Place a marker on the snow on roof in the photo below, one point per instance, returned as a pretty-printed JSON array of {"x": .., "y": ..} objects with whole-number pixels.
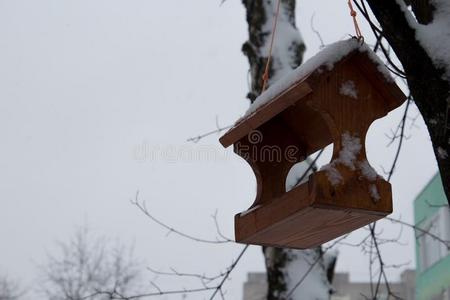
[{"x": 327, "y": 57}]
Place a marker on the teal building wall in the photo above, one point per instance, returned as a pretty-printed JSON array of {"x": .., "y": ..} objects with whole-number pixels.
[{"x": 431, "y": 281}]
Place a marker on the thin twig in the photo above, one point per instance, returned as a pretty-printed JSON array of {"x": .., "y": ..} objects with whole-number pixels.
[
  {"x": 143, "y": 208},
  {"x": 316, "y": 31},
  {"x": 421, "y": 230},
  {"x": 402, "y": 136},
  {"x": 227, "y": 274},
  {"x": 218, "y": 129}
]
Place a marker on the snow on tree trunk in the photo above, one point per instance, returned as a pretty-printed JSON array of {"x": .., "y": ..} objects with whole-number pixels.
[
  {"x": 288, "y": 47},
  {"x": 285, "y": 267},
  {"x": 421, "y": 43}
]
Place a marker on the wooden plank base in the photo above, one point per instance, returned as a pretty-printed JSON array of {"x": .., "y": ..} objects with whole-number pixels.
[{"x": 304, "y": 217}]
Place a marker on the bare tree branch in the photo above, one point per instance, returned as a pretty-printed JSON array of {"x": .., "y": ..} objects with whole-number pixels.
[
  {"x": 143, "y": 208},
  {"x": 218, "y": 130}
]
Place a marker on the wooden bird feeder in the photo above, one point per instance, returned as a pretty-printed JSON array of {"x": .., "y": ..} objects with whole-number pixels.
[{"x": 328, "y": 105}]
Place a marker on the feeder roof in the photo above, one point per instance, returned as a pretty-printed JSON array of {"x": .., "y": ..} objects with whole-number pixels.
[
  {"x": 327, "y": 58},
  {"x": 274, "y": 100}
]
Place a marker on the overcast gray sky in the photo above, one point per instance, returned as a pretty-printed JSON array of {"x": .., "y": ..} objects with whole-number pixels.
[{"x": 86, "y": 84}]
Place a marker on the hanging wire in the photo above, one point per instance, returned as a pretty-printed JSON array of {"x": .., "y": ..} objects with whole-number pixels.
[
  {"x": 265, "y": 77},
  {"x": 353, "y": 13}
]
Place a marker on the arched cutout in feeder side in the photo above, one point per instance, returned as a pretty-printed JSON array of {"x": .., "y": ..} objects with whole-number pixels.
[{"x": 345, "y": 195}]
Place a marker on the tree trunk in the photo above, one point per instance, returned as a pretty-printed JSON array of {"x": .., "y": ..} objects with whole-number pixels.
[
  {"x": 428, "y": 82},
  {"x": 285, "y": 267}
]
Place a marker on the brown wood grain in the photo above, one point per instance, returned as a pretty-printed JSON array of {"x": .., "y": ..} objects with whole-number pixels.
[{"x": 309, "y": 116}]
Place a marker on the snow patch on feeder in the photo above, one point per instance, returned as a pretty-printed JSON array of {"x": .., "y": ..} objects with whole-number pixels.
[
  {"x": 373, "y": 191},
  {"x": 367, "y": 171},
  {"x": 348, "y": 89},
  {"x": 325, "y": 59},
  {"x": 333, "y": 174},
  {"x": 351, "y": 146}
]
